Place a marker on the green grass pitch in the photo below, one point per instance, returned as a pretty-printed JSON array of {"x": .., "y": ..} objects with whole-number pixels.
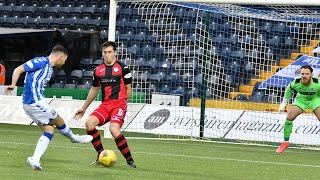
[{"x": 155, "y": 159}]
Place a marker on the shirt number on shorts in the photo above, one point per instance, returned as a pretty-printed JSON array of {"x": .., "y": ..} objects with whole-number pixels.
[{"x": 120, "y": 112}]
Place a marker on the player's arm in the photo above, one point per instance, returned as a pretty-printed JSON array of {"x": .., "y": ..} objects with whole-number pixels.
[
  {"x": 128, "y": 91},
  {"x": 15, "y": 76},
  {"x": 127, "y": 78},
  {"x": 288, "y": 92},
  {"x": 91, "y": 96}
]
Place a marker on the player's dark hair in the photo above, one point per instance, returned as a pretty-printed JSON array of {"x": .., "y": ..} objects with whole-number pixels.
[
  {"x": 109, "y": 43},
  {"x": 307, "y": 67},
  {"x": 59, "y": 48}
]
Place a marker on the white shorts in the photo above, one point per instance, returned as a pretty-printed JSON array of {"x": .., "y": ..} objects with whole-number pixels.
[{"x": 40, "y": 114}]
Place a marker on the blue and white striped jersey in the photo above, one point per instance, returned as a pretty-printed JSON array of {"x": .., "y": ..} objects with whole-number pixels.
[{"x": 39, "y": 72}]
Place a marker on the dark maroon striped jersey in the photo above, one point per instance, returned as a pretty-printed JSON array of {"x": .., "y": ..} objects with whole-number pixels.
[{"x": 112, "y": 80}]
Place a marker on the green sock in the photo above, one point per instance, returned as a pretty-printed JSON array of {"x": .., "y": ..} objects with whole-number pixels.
[{"x": 287, "y": 129}]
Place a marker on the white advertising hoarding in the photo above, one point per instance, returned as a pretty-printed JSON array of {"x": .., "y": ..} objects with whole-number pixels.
[{"x": 221, "y": 123}]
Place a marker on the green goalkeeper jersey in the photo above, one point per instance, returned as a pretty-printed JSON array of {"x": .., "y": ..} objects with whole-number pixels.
[{"x": 305, "y": 92}]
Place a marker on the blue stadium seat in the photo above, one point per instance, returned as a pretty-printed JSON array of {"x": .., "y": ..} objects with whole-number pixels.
[
  {"x": 34, "y": 3},
  {"x": 209, "y": 94},
  {"x": 229, "y": 79},
  {"x": 61, "y": 73},
  {"x": 147, "y": 49},
  {"x": 247, "y": 39},
  {"x": 241, "y": 97},
  {"x": 273, "y": 98},
  {"x": 17, "y": 9},
  {"x": 104, "y": 34},
  {"x": 214, "y": 79},
  {"x": 81, "y": 86},
  {"x": 164, "y": 65},
  {"x": 198, "y": 79},
  {"x": 121, "y": 23},
  {"x": 193, "y": 92},
  {"x": 76, "y": 73},
  {"x": 84, "y": 62},
  {"x": 94, "y": 4},
  {"x": 178, "y": 90},
  {"x": 179, "y": 13},
  {"x": 46, "y": 3},
  {"x": 142, "y": 76},
  {"x": 165, "y": 89},
  {"x": 87, "y": 81},
  {"x": 248, "y": 67},
  {"x": 60, "y": 80},
  {"x": 226, "y": 52},
  {"x": 134, "y": 49},
  {"x": 290, "y": 42},
  {"x": 173, "y": 77},
  {"x": 152, "y": 87},
  {"x": 239, "y": 54},
  {"x": 178, "y": 64},
  {"x": 126, "y": 36},
  {"x": 274, "y": 41},
  {"x": 70, "y": 86},
  {"x": 58, "y": 3},
  {"x": 225, "y": 27},
  {"x": 219, "y": 39},
  {"x": 266, "y": 27},
  {"x": 157, "y": 77},
  {"x": 188, "y": 76},
  {"x": 292, "y": 28},
  {"x": 234, "y": 68},
  {"x": 260, "y": 40},
  {"x": 257, "y": 96},
  {"x": 57, "y": 85},
  {"x": 88, "y": 74},
  {"x": 98, "y": 61},
  {"x": 139, "y": 37},
  {"x": 279, "y": 27}
]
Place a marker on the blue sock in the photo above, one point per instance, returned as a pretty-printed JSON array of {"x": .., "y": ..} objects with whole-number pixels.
[{"x": 64, "y": 130}]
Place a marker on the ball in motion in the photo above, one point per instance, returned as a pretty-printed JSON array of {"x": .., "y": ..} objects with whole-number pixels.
[{"x": 107, "y": 158}]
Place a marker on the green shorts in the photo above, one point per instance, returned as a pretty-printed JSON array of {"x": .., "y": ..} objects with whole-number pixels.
[{"x": 307, "y": 104}]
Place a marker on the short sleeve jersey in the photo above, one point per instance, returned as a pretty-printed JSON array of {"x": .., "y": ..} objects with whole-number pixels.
[
  {"x": 38, "y": 74},
  {"x": 305, "y": 92},
  {"x": 112, "y": 80}
]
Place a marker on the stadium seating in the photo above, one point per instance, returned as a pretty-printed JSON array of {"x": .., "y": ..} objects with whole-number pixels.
[{"x": 155, "y": 56}]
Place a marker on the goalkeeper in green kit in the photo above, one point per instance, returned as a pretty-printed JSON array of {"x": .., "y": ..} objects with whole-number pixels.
[{"x": 308, "y": 97}]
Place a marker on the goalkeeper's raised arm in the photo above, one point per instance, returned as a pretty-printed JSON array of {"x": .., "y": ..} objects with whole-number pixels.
[
  {"x": 308, "y": 97},
  {"x": 288, "y": 92}
]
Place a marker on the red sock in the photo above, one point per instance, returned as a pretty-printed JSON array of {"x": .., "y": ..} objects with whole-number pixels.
[
  {"x": 96, "y": 141},
  {"x": 123, "y": 147}
]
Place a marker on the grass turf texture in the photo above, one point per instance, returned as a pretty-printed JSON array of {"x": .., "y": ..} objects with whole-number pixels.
[{"x": 155, "y": 159}]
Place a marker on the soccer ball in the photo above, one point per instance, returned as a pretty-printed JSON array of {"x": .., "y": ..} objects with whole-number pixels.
[{"x": 107, "y": 158}]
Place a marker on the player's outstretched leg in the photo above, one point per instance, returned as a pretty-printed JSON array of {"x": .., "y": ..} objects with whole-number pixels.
[{"x": 64, "y": 130}]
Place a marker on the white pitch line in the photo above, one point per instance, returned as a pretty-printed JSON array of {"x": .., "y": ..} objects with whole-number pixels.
[
  {"x": 183, "y": 156},
  {"x": 231, "y": 159},
  {"x": 203, "y": 143}
]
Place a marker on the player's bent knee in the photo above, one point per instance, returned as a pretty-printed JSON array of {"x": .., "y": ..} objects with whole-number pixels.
[
  {"x": 92, "y": 122},
  {"x": 114, "y": 129}
]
